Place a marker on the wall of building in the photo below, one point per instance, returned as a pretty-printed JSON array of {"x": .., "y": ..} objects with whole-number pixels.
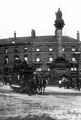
[{"x": 44, "y": 51}]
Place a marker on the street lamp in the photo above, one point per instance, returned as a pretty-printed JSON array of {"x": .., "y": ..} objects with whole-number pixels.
[{"x": 77, "y": 56}]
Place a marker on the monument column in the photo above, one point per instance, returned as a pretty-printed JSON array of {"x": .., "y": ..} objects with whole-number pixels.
[
  {"x": 60, "y": 65},
  {"x": 59, "y": 23}
]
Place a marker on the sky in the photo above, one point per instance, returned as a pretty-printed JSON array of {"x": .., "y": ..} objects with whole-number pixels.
[{"x": 24, "y": 15}]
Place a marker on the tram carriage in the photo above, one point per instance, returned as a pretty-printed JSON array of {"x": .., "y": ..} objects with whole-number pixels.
[
  {"x": 21, "y": 75},
  {"x": 24, "y": 80}
]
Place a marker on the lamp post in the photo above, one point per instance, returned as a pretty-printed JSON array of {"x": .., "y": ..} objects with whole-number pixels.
[{"x": 77, "y": 56}]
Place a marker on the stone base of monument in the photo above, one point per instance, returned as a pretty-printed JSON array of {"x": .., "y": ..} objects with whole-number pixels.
[
  {"x": 61, "y": 63},
  {"x": 61, "y": 68}
]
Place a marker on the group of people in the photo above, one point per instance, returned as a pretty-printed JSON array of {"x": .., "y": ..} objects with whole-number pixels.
[{"x": 67, "y": 82}]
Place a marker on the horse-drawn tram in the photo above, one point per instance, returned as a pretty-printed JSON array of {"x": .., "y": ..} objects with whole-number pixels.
[{"x": 25, "y": 79}]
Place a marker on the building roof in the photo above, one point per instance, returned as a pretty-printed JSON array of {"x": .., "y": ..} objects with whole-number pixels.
[{"x": 37, "y": 39}]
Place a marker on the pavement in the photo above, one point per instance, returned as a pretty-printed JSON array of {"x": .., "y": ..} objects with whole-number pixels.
[
  {"x": 62, "y": 89},
  {"x": 57, "y": 90},
  {"x": 49, "y": 89}
]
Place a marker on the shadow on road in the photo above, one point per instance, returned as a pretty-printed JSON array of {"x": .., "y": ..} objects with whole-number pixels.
[{"x": 34, "y": 117}]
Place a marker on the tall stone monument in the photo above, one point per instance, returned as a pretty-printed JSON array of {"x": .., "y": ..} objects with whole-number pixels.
[
  {"x": 59, "y": 24},
  {"x": 60, "y": 64}
]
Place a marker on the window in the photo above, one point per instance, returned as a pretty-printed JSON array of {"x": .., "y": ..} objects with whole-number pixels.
[
  {"x": 6, "y": 60},
  {"x": 50, "y": 59},
  {"x": 73, "y": 59},
  {"x": 26, "y": 58},
  {"x": 37, "y": 49},
  {"x": 63, "y": 49},
  {"x": 73, "y": 49},
  {"x": 37, "y": 59},
  {"x": 16, "y": 59},
  {"x": 38, "y": 69},
  {"x": 48, "y": 69},
  {"x": 6, "y": 50},
  {"x": 16, "y": 49},
  {"x": 73, "y": 69},
  {"x": 25, "y": 49},
  {"x": 50, "y": 49}
]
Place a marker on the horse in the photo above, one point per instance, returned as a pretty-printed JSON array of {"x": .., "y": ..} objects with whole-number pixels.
[{"x": 42, "y": 83}]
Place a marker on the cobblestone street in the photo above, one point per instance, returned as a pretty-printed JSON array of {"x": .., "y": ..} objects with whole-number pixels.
[{"x": 16, "y": 106}]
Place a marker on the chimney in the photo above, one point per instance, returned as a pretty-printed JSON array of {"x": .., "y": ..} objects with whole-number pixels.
[
  {"x": 14, "y": 34},
  {"x": 78, "y": 36},
  {"x": 33, "y": 33}
]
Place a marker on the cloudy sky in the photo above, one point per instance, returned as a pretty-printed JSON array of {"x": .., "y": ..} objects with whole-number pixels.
[{"x": 23, "y": 15}]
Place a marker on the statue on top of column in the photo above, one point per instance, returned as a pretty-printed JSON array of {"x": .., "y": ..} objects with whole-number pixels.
[
  {"x": 59, "y": 22},
  {"x": 59, "y": 14}
]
